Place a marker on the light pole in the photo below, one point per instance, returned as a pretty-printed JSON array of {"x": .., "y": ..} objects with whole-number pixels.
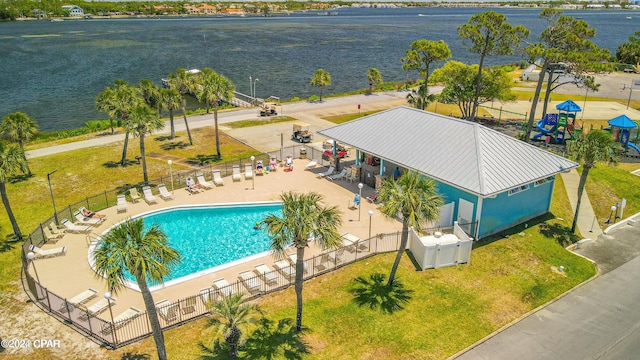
[
  {"x": 255, "y": 94},
  {"x": 253, "y": 177},
  {"x": 170, "y": 174},
  {"x": 370, "y": 217},
  {"x": 250, "y": 86},
  {"x": 360, "y": 186},
  {"x": 107, "y": 296},
  {"x": 55, "y": 212}
]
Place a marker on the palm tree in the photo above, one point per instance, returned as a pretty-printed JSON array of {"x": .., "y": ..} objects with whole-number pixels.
[
  {"x": 118, "y": 101},
  {"x": 375, "y": 77},
  {"x": 321, "y": 78},
  {"x": 11, "y": 161},
  {"x": 416, "y": 200},
  {"x": 213, "y": 88},
  {"x": 150, "y": 93},
  {"x": 170, "y": 99},
  {"x": 589, "y": 148},
  {"x": 229, "y": 316},
  {"x": 143, "y": 122},
  {"x": 420, "y": 98},
  {"x": 20, "y": 128},
  {"x": 183, "y": 81},
  {"x": 303, "y": 219},
  {"x": 145, "y": 254}
]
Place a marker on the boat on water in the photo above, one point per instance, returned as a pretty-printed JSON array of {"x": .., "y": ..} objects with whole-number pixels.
[
  {"x": 422, "y": 15},
  {"x": 328, "y": 13},
  {"x": 56, "y": 20}
]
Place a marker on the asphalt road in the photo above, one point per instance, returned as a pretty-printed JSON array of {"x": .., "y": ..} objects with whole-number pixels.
[{"x": 598, "y": 320}]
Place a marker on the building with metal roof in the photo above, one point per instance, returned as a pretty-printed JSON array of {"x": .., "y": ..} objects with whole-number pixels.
[{"x": 490, "y": 180}]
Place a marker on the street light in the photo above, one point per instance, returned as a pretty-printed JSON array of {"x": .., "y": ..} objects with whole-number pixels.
[
  {"x": 255, "y": 94},
  {"x": 360, "y": 186},
  {"x": 55, "y": 212},
  {"x": 253, "y": 178},
  {"x": 171, "y": 174},
  {"x": 250, "y": 86},
  {"x": 370, "y": 216},
  {"x": 107, "y": 296}
]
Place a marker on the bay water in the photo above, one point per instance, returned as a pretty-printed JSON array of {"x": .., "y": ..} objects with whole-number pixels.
[{"x": 54, "y": 70}]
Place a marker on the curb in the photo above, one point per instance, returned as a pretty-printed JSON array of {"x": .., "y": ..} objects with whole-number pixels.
[{"x": 628, "y": 221}]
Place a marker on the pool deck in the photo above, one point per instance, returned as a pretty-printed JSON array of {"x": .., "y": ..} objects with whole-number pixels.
[{"x": 71, "y": 274}]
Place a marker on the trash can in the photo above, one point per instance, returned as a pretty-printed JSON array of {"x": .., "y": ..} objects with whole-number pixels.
[{"x": 303, "y": 153}]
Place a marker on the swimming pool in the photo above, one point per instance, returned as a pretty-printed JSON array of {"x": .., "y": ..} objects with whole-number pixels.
[{"x": 212, "y": 237}]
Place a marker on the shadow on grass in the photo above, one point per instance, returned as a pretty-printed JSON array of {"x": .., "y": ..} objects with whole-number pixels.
[
  {"x": 202, "y": 159},
  {"x": 20, "y": 178},
  {"x": 134, "y": 356},
  {"x": 514, "y": 230},
  {"x": 174, "y": 145},
  {"x": 374, "y": 293},
  {"x": 165, "y": 138},
  {"x": 560, "y": 233},
  {"x": 8, "y": 242},
  {"x": 116, "y": 164},
  {"x": 271, "y": 340}
]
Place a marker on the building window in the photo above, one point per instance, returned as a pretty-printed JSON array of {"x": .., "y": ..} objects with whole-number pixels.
[
  {"x": 518, "y": 189},
  {"x": 543, "y": 181}
]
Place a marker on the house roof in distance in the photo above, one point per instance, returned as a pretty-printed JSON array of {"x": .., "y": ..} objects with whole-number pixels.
[{"x": 457, "y": 152}]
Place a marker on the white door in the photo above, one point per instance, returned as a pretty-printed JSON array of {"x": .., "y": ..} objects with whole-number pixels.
[{"x": 465, "y": 214}]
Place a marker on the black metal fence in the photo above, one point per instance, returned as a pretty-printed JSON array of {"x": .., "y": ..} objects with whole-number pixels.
[{"x": 134, "y": 324}]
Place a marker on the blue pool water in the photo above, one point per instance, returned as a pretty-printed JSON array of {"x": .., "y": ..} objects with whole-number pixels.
[{"x": 211, "y": 236}]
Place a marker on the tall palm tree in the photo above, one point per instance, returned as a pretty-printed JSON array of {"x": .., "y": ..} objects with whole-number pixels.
[
  {"x": 596, "y": 145},
  {"x": 420, "y": 97},
  {"x": 183, "y": 81},
  {"x": 213, "y": 88},
  {"x": 20, "y": 128},
  {"x": 145, "y": 254},
  {"x": 303, "y": 219},
  {"x": 170, "y": 99},
  {"x": 321, "y": 78},
  {"x": 118, "y": 100},
  {"x": 143, "y": 122},
  {"x": 11, "y": 161},
  {"x": 415, "y": 199},
  {"x": 375, "y": 77},
  {"x": 230, "y": 316}
]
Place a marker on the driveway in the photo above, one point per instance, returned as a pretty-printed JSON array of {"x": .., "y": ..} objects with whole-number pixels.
[{"x": 598, "y": 320}]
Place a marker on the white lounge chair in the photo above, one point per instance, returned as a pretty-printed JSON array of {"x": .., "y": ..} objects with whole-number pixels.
[
  {"x": 293, "y": 258},
  {"x": 164, "y": 193},
  {"x": 248, "y": 171},
  {"x": 267, "y": 274},
  {"x": 50, "y": 237},
  {"x": 86, "y": 220},
  {"x": 356, "y": 241},
  {"x": 312, "y": 164},
  {"x": 204, "y": 183},
  {"x": 250, "y": 281},
  {"x": 83, "y": 297},
  {"x": 336, "y": 256},
  {"x": 323, "y": 264},
  {"x": 236, "y": 173},
  {"x": 122, "y": 203},
  {"x": 207, "y": 296},
  {"x": 223, "y": 287},
  {"x": 121, "y": 319},
  {"x": 168, "y": 311},
  {"x": 217, "y": 179},
  {"x": 284, "y": 267},
  {"x": 328, "y": 172},
  {"x": 133, "y": 192},
  {"x": 98, "y": 307},
  {"x": 55, "y": 230},
  {"x": 338, "y": 176},
  {"x": 46, "y": 253},
  {"x": 71, "y": 227},
  {"x": 148, "y": 195}
]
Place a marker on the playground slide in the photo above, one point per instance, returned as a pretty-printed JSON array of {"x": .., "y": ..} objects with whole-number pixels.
[
  {"x": 543, "y": 131},
  {"x": 634, "y": 147}
]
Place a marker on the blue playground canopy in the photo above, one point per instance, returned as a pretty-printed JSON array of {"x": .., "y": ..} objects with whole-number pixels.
[
  {"x": 622, "y": 122},
  {"x": 568, "y": 106}
]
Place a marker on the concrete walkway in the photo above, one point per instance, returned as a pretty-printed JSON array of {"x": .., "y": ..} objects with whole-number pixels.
[{"x": 587, "y": 221}]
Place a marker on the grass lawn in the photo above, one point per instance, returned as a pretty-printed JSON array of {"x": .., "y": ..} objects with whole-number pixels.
[{"x": 607, "y": 185}]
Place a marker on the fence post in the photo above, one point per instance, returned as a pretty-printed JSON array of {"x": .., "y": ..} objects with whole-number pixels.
[
  {"x": 106, "y": 199},
  {"x": 500, "y": 116}
]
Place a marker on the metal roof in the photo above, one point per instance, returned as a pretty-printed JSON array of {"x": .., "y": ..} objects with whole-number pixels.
[{"x": 457, "y": 152}]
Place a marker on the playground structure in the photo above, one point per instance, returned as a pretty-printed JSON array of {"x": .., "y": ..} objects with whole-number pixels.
[
  {"x": 560, "y": 126},
  {"x": 620, "y": 127}
]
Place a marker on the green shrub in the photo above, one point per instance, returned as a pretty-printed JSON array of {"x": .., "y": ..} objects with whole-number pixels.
[
  {"x": 98, "y": 125},
  {"x": 507, "y": 68},
  {"x": 313, "y": 98}
]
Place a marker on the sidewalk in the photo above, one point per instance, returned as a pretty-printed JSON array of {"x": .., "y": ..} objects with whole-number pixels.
[{"x": 587, "y": 221}]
